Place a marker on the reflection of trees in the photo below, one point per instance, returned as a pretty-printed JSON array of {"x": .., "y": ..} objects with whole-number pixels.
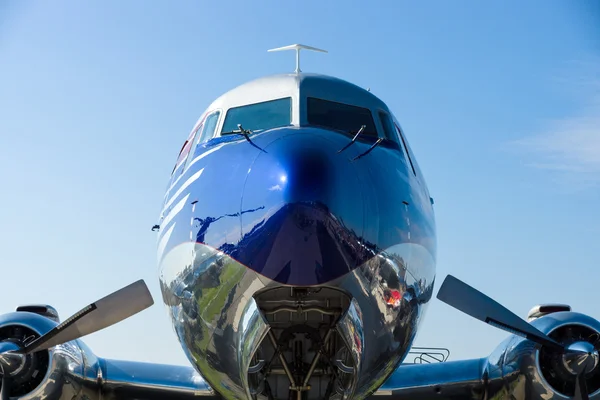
[
  {"x": 426, "y": 291},
  {"x": 226, "y": 349},
  {"x": 205, "y": 223},
  {"x": 340, "y": 246}
]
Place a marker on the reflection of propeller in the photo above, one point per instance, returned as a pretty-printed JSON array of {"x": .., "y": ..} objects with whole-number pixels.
[
  {"x": 103, "y": 313},
  {"x": 579, "y": 357}
]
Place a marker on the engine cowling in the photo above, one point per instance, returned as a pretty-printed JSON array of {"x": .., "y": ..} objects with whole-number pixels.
[
  {"x": 520, "y": 369},
  {"x": 51, "y": 374}
]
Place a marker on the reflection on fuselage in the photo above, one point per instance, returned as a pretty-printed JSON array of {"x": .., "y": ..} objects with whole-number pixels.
[
  {"x": 292, "y": 224},
  {"x": 311, "y": 228},
  {"x": 204, "y": 223}
]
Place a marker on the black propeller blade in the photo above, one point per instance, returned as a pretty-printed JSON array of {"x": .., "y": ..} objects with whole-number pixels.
[
  {"x": 469, "y": 300},
  {"x": 103, "y": 313},
  {"x": 581, "y": 392},
  {"x": 5, "y": 389}
]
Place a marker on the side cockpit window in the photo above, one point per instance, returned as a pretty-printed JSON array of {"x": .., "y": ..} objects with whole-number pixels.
[
  {"x": 183, "y": 153},
  {"x": 209, "y": 127},
  {"x": 339, "y": 116},
  {"x": 259, "y": 116},
  {"x": 388, "y": 126},
  {"x": 406, "y": 149},
  {"x": 204, "y": 133}
]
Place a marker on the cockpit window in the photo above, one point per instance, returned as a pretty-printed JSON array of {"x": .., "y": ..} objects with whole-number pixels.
[
  {"x": 209, "y": 126},
  {"x": 259, "y": 116},
  {"x": 406, "y": 149},
  {"x": 183, "y": 153},
  {"x": 339, "y": 116},
  {"x": 388, "y": 126},
  {"x": 205, "y": 132}
]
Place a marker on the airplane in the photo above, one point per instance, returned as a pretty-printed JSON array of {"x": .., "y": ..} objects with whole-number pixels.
[{"x": 297, "y": 256}]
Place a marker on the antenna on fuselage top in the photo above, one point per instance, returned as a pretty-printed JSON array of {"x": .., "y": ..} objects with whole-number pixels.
[{"x": 298, "y": 47}]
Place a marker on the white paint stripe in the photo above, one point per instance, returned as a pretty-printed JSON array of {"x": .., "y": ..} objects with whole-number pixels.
[
  {"x": 195, "y": 160},
  {"x": 178, "y": 207},
  {"x": 163, "y": 242},
  {"x": 182, "y": 188}
]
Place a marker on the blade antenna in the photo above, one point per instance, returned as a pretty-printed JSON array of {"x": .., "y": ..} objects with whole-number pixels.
[{"x": 297, "y": 48}]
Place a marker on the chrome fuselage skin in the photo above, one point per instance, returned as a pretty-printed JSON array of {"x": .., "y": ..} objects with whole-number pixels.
[{"x": 290, "y": 210}]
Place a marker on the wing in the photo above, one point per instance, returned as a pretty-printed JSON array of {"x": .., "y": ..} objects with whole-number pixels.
[
  {"x": 553, "y": 355},
  {"x": 71, "y": 370},
  {"x": 136, "y": 380},
  {"x": 41, "y": 357},
  {"x": 447, "y": 380}
]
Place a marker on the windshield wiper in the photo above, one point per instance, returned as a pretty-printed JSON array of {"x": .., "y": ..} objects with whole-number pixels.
[
  {"x": 362, "y": 128},
  {"x": 245, "y": 133},
  {"x": 369, "y": 149}
]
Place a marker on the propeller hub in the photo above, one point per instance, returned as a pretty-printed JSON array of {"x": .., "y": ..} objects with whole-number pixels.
[
  {"x": 580, "y": 357},
  {"x": 11, "y": 363}
]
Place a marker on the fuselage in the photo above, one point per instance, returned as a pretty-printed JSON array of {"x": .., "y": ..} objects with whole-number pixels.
[{"x": 287, "y": 237}]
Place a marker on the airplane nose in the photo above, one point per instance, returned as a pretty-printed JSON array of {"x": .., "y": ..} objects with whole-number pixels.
[
  {"x": 311, "y": 214},
  {"x": 307, "y": 176}
]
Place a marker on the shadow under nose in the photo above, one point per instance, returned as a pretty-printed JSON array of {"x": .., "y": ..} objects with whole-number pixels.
[
  {"x": 310, "y": 228},
  {"x": 308, "y": 169}
]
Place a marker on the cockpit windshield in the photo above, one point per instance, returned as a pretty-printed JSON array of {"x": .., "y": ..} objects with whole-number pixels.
[
  {"x": 339, "y": 116},
  {"x": 259, "y": 116}
]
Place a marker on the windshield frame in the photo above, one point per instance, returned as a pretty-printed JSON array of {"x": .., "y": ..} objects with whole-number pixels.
[
  {"x": 373, "y": 133},
  {"x": 225, "y": 129}
]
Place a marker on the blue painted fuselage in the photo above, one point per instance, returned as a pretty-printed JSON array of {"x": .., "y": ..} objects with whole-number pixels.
[
  {"x": 297, "y": 206},
  {"x": 296, "y": 211}
]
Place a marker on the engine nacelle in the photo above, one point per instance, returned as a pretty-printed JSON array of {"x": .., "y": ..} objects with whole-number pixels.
[
  {"x": 71, "y": 371},
  {"x": 519, "y": 369},
  {"x": 58, "y": 373}
]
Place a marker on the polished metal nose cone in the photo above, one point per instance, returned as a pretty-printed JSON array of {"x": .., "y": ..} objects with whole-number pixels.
[
  {"x": 10, "y": 363},
  {"x": 580, "y": 357}
]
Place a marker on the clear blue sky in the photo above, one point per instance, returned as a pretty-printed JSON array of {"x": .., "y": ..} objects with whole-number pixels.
[{"x": 500, "y": 102}]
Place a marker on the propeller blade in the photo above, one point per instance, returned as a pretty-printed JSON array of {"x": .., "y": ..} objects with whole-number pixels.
[
  {"x": 469, "y": 300},
  {"x": 581, "y": 392},
  {"x": 103, "y": 313},
  {"x": 5, "y": 389}
]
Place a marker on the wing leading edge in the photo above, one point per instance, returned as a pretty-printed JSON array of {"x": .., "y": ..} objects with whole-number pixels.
[
  {"x": 448, "y": 380},
  {"x": 127, "y": 380}
]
